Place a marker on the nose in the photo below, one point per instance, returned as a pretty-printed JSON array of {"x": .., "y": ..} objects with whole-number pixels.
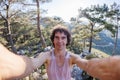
[{"x": 59, "y": 40}]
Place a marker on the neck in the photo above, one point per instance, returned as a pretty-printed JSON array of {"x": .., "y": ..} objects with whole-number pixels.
[{"x": 59, "y": 52}]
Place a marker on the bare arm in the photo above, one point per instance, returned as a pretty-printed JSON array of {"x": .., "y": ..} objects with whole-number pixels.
[
  {"x": 40, "y": 59},
  {"x": 14, "y": 66},
  {"x": 103, "y": 69}
]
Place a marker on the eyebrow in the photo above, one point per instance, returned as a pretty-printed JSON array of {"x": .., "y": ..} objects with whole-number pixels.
[
  {"x": 61, "y": 37},
  {"x": 64, "y": 37}
]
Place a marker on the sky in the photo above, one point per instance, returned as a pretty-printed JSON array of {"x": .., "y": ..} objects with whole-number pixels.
[{"x": 69, "y": 8}]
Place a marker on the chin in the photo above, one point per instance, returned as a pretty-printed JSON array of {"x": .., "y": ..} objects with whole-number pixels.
[{"x": 60, "y": 48}]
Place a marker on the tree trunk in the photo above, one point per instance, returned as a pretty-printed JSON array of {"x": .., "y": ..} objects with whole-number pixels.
[
  {"x": 9, "y": 35},
  {"x": 84, "y": 45},
  {"x": 91, "y": 37},
  {"x": 7, "y": 22},
  {"x": 38, "y": 25},
  {"x": 116, "y": 39}
]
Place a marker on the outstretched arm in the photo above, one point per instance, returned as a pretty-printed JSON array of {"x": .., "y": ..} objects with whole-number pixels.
[
  {"x": 14, "y": 66},
  {"x": 103, "y": 69}
]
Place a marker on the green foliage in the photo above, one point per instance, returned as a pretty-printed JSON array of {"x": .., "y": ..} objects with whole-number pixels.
[
  {"x": 75, "y": 46},
  {"x": 90, "y": 56},
  {"x": 110, "y": 27}
]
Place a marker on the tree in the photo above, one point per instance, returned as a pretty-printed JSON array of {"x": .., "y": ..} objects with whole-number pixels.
[
  {"x": 114, "y": 14},
  {"x": 38, "y": 25},
  {"x": 89, "y": 15},
  {"x": 38, "y": 20},
  {"x": 6, "y": 16}
]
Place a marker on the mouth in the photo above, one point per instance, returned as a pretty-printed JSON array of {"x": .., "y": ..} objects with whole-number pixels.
[{"x": 60, "y": 45}]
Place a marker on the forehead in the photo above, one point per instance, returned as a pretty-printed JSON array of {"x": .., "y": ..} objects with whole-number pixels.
[{"x": 60, "y": 34}]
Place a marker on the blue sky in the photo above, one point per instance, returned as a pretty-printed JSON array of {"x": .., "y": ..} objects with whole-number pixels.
[{"x": 69, "y": 8}]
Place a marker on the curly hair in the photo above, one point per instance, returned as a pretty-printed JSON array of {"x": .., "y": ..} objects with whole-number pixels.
[{"x": 61, "y": 29}]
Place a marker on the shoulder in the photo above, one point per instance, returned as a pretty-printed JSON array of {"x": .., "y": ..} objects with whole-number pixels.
[{"x": 46, "y": 54}]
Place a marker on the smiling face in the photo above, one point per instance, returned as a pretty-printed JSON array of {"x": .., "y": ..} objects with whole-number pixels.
[
  {"x": 60, "y": 36},
  {"x": 60, "y": 40}
]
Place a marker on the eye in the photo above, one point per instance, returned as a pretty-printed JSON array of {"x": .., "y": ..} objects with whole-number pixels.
[
  {"x": 56, "y": 37},
  {"x": 64, "y": 37}
]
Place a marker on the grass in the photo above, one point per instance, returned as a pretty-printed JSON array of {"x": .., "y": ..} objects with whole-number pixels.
[{"x": 95, "y": 51}]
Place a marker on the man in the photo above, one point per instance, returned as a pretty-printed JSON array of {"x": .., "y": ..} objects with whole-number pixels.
[{"x": 58, "y": 61}]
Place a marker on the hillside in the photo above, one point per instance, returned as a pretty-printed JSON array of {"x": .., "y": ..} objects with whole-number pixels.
[
  {"x": 106, "y": 44},
  {"x": 98, "y": 52}
]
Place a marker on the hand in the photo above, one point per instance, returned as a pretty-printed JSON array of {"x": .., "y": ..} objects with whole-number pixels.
[{"x": 104, "y": 69}]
